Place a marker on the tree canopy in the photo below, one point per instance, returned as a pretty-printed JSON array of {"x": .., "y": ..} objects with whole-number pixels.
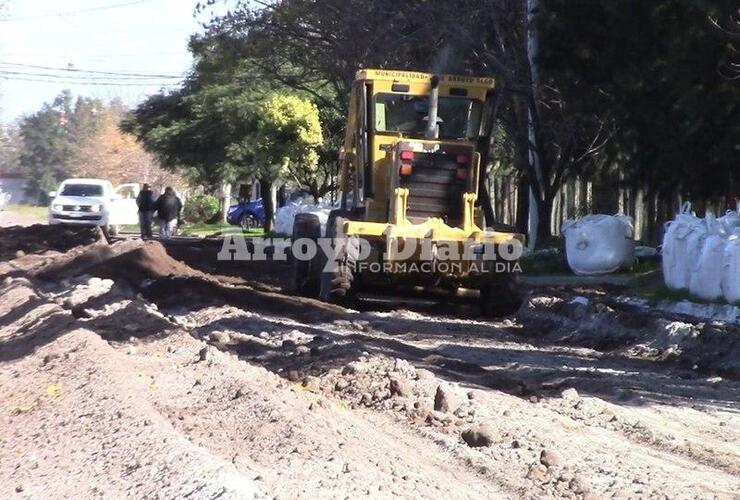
[{"x": 583, "y": 88}]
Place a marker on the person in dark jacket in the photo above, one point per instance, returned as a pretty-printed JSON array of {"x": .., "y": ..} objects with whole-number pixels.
[
  {"x": 168, "y": 208},
  {"x": 146, "y": 201}
]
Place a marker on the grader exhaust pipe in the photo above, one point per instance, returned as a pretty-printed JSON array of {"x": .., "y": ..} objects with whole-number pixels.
[{"x": 432, "y": 131}]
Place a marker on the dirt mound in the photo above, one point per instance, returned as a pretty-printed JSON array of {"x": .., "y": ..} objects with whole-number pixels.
[
  {"x": 39, "y": 238},
  {"x": 148, "y": 261},
  {"x": 133, "y": 261}
]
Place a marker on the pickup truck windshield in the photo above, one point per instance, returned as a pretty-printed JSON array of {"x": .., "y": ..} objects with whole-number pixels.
[
  {"x": 82, "y": 190},
  {"x": 459, "y": 118}
]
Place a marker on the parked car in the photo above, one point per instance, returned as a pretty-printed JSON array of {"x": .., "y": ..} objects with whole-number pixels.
[
  {"x": 247, "y": 214},
  {"x": 94, "y": 202}
]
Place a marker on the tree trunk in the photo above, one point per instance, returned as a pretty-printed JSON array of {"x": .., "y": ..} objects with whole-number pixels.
[
  {"x": 650, "y": 216},
  {"x": 269, "y": 202},
  {"x": 522, "y": 206},
  {"x": 225, "y": 200},
  {"x": 484, "y": 200},
  {"x": 544, "y": 217}
]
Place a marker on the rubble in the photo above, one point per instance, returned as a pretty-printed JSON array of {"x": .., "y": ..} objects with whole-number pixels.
[{"x": 233, "y": 391}]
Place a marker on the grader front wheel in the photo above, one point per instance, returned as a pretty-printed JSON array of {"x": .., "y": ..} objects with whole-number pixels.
[
  {"x": 306, "y": 272},
  {"x": 337, "y": 280}
]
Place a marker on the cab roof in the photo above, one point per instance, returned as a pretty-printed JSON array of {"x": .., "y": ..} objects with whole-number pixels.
[{"x": 418, "y": 77}]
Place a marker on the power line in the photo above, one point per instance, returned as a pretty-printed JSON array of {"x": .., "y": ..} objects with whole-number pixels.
[
  {"x": 73, "y": 12},
  {"x": 75, "y": 70},
  {"x": 77, "y": 78},
  {"x": 97, "y": 84}
]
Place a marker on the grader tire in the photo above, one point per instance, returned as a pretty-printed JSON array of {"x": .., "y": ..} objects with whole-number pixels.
[
  {"x": 337, "y": 283},
  {"x": 305, "y": 274},
  {"x": 501, "y": 295}
]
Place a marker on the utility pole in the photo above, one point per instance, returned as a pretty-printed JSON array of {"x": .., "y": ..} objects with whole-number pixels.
[{"x": 532, "y": 7}]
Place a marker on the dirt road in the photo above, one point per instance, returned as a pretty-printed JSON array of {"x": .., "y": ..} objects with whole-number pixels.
[
  {"x": 9, "y": 217},
  {"x": 134, "y": 370}
]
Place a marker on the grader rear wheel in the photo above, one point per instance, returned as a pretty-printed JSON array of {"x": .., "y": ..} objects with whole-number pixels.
[{"x": 501, "y": 295}]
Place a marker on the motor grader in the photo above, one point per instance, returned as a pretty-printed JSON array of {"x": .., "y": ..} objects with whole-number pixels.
[{"x": 410, "y": 168}]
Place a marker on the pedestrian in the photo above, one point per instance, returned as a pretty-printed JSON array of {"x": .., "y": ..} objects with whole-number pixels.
[
  {"x": 168, "y": 212},
  {"x": 146, "y": 201}
]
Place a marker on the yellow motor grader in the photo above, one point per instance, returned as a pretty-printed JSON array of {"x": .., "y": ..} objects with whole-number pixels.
[{"x": 409, "y": 176}]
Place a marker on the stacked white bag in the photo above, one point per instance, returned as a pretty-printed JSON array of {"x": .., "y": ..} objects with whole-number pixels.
[
  {"x": 703, "y": 255},
  {"x": 285, "y": 216},
  {"x": 681, "y": 239},
  {"x": 705, "y": 262},
  {"x": 599, "y": 244},
  {"x": 731, "y": 269}
]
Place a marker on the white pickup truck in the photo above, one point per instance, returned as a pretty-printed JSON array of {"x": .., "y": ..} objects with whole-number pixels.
[{"x": 94, "y": 202}]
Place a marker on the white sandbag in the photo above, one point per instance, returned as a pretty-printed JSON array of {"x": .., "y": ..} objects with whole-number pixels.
[
  {"x": 731, "y": 220},
  {"x": 731, "y": 269},
  {"x": 285, "y": 216},
  {"x": 681, "y": 245},
  {"x": 599, "y": 244},
  {"x": 706, "y": 276}
]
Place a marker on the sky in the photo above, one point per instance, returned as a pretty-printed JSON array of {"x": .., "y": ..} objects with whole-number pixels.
[{"x": 115, "y": 36}]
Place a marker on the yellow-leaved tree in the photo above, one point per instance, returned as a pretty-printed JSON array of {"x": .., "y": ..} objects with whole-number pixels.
[{"x": 112, "y": 154}]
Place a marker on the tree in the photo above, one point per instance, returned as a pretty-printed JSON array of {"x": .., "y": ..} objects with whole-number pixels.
[
  {"x": 310, "y": 44},
  {"x": 45, "y": 146},
  {"x": 285, "y": 143},
  {"x": 117, "y": 156},
  {"x": 10, "y": 149},
  {"x": 678, "y": 118},
  {"x": 226, "y": 122},
  {"x": 730, "y": 65},
  {"x": 614, "y": 86}
]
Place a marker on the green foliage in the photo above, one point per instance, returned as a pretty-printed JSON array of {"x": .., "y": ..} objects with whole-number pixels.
[
  {"x": 656, "y": 63},
  {"x": 287, "y": 136},
  {"x": 202, "y": 208},
  {"x": 49, "y": 138},
  {"x": 11, "y": 145},
  {"x": 624, "y": 85}
]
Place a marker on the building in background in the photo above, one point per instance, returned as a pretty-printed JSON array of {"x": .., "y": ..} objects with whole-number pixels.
[{"x": 13, "y": 189}]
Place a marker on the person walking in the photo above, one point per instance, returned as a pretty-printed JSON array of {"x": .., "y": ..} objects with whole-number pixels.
[
  {"x": 146, "y": 201},
  {"x": 168, "y": 208}
]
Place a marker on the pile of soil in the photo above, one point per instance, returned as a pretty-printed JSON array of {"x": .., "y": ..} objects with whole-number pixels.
[
  {"x": 16, "y": 241},
  {"x": 131, "y": 261},
  {"x": 202, "y": 388}
]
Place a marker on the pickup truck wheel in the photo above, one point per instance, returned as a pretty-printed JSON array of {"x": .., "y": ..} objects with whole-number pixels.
[
  {"x": 305, "y": 273},
  {"x": 501, "y": 295},
  {"x": 337, "y": 283}
]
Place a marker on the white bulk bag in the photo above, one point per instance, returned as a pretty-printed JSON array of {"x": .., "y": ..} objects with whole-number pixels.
[
  {"x": 599, "y": 244},
  {"x": 731, "y": 220},
  {"x": 285, "y": 216},
  {"x": 706, "y": 275},
  {"x": 731, "y": 269},
  {"x": 681, "y": 245}
]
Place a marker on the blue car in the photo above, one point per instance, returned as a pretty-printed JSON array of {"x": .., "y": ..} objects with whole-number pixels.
[{"x": 247, "y": 214}]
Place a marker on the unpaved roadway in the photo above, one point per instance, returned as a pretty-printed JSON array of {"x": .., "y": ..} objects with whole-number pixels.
[
  {"x": 10, "y": 217},
  {"x": 139, "y": 371}
]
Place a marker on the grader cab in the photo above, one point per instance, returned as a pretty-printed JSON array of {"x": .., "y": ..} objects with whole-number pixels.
[{"x": 408, "y": 219}]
